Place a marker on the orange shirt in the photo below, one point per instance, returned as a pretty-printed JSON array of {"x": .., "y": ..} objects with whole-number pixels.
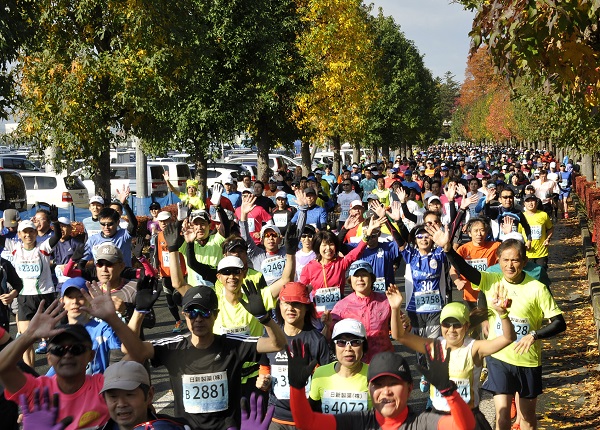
[
  {"x": 162, "y": 255},
  {"x": 480, "y": 257}
]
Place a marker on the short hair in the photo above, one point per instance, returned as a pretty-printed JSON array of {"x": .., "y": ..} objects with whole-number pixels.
[
  {"x": 512, "y": 243},
  {"x": 259, "y": 183},
  {"x": 109, "y": 213},
  {"x": 484, "y": 221},
  {"x": 324, "y": 236},
  {"x": 43, "y": 211}
]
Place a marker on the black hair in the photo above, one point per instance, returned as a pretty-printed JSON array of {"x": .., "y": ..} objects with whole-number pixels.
[
  {"x": 109, "y": 213},
  {"x": 512, "y": 243},
  {"x": 260, "y": 183},
  {"x": 327, "y": 237},
  {"x": 309, "y": 316},
  {"x": 45, "y": 212},
  {"x": 484, "y": 221}
]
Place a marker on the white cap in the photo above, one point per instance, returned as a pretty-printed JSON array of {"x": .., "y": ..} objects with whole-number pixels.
[
  {"x": 514, "y": 235},
  {"x": 64, "y": 220},
  {"x": 26, "y": 224},
  {"x": 97, "y": 199},
  {"x": 281, "y": 195},
  {"x": 553, "y": 165},
  {"x": 163, "y": 215},
  {"x": 432, "y": 198},
  {"x": 228, "y": 180},
  {"x": 230, "y": 261},
  {"x": 269, "y": 227},
  {"x": 349, "y": 326},
  {"x": 355, "y": 203}
]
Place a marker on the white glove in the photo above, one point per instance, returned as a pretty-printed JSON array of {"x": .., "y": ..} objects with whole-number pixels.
[
  {"x": 182, "y": 211},
  {"x": 217, "y": 191}
]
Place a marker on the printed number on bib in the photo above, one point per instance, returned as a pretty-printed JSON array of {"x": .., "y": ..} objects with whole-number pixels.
[
  {"x": 340, "y": 402},
  {"x": 536, "y": 232},
  {"x": 272, "y": 268},
  {"x": 29, "y": 269},
  {"x": 521, "y": 325},
  {"x": 379, "y": 285},
  {"x": 165, "y": 259},
  {"x": 478, "y": 263},
  {"x": 326, "y": 298},
  {"x": 281, "y": 387},
  {"x": 428, "y": 301},
  {"x": 463, "y": 388},
  {"x": 205, "y": 393},
  {"x": 280, "y": 220},
  {"x": 236, "y": 330},
  {"x": 344, "y": 214}
]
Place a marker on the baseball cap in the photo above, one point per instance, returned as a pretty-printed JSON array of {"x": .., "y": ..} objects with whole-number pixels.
[
  {"x": 230, "y": 262},
  {"x": 26, "y": 224},
  {"x": 444, "y": 168},
  {"x": 349, "y": 326},
  {"x": 76, "y": 331},
  {"x": 514, "y": 235},
  {"x": 11, "y": 218},
  {"x": 97, "y": 199},
  {"x": 109, "y": 252},
  {"x": 125, "y": 375},
  {"x": 310, "y": 191},
  {"x": 407, "y": 172},
  {"x": 529, "y": 197},
  {"x": 432, "y": 198},
  {"x": 553, "y": 164},
  {"x": 309, "y": 229},
  {"x": 230, "y": 245},
  {"x": 266, "y": 227},
  {"x": 372, "y": 197},
  {"x": 389, "y": 364},
  {"x": 281, "y": 195},
  {"x": 294, "y": 292},
  {"x": 360, "y": 265},
  {"x": 530, "y": 187},
  {"x": 163, "y": 216},
  {"x": 154, "y": 205},
  {"x": 77, "y": 282},
  {"x": 64, "y": 220},
  {"x": 319, "y": 172},
  {"x": 422, "y": 168},
  {"x": 228, "y": 180},
  {"x": 455, "y": 310},
  {"x": 311, "y": 178},
  {"x": 355, "y": 203},
  {"x": 202, "y": 296},
  {"x": 355, "y": 165},
  {"x": 202, "y": 214}
]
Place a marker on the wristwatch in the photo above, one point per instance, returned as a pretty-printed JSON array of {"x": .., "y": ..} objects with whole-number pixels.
[{"x": 533, "y": 334}]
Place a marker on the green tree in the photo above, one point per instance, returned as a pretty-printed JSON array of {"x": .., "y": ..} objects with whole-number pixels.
[{"x": 449, "y": 91}]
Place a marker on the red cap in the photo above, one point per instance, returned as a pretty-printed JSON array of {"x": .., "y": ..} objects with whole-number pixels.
[{"x": 295, "y": 292}]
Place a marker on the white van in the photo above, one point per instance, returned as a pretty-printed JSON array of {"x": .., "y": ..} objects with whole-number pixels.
[
  {"x": 276, "y": 161},
  {"x": 123, "y": 174},
  {"x": 179, "y": 173},
  {"x": 55, "y": 189}
]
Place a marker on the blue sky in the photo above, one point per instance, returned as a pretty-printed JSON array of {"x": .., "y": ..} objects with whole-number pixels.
[{"x": 440, "y": 31}]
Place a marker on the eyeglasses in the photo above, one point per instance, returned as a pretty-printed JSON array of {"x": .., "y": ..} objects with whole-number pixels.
[
  {"x": 102, "y": 263},
  {"x": 422, "y": 236},
  {"x": 193, "y": 313},
  {"x": 230, "y": 271},
  {"x": 306, "y": 236},
  {"x": 61, "y": 350},
  {"x": 344, "y": 343},
  {"x": 107, "y": 224},
  {"x": 456, "y": 325},
  {"x": 271, "y": 235},
  {"x": 160, "y": 424}
]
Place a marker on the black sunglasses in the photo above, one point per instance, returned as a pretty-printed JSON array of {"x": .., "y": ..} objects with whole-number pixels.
[
  {"x": 102, "y": 263},
  {"x": 456, "y": 325},
  {"x": 306, "y": 235},
  {"x": 107, "y": 224},
  {"x": 230, "y": 271},
  {"x": 194, "y": 313},
  {"x": 61, "y": 350}
]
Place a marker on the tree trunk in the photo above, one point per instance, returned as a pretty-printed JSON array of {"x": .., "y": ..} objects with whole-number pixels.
[
  {"x": 336, "y": 144},
  {"x": 385, "y": 151},
  {"x": 263, "y": 143},
  {"x": 201, "y": 165},
  {"x": 356, "y": 153},
  {"x": 587, "y": 168},
  {"x": 306, "y": 157},
  {"x": 141, "y": 171},
  {"x": 102, "y": 177},
  {"x": 374, "y": 152}
]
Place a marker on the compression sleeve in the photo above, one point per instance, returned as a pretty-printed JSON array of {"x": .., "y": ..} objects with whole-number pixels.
[
  {"x": 304, "y": 417},
  {"x": 470, "y": 273},
  {"x": 460, "y": 418},
  {"x": 557, "y": 325}
]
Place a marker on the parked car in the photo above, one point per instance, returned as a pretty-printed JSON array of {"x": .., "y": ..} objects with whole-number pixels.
[
  {"x": 14, "y": 162},
  {"x": 55, "y": 189},
  {"x": 13, "y": 194},
  {"x": 276, "y": 161},
  {"x": 124, "y": 175},
  {"x": 179, "y": 173}
]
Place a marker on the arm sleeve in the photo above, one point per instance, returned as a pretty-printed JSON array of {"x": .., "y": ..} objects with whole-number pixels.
[
  {"x": 408, "y": 214},
  {"x": 225, "y": 224},
  {"x": 209, "y": 273},
  {"x": 557, "y": 325},
  {"x": 53, "y": 241},
  {"x": 11, "y": 276},
  {"x": 460, "y": 418},
  {"x": 525, "y": 225},
  {"x": 323, "y": 219},
  {"x": 456, "y": 223},
  {"x": 470, "y": 273},
  {"x": 305, "y": 417},
  {"x": 133, "y": 223},
  {"x": 353, "y": 255},
  {"x": 300, "y": 216},
  {"x": 253, "y": 250}
]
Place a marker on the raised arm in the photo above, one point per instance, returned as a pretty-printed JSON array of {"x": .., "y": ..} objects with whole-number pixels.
[
  {"x": 173, "y": 238},
  {"x": 275, "y": 340}
]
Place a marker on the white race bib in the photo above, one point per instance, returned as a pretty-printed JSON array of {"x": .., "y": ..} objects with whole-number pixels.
[
  {"x": 205, "y": 393},
  {"x": 280, "y": 219},
  {"x": 463, "y": 388},
  {"x": 29, "y": 269},
  {"x": 479, "y": 264},
  {"x": 521, "y": 325},
  {"x": 428, "y": 301},
  {"x": 272, "y": 268},
  {"x": 326, "y": 298},
  {"x": 166, "y": 260},
  {"x": 279, "y": 380},
  {"x": 340, "y": 402},
  {"x": 536, "y": 232},
  {"x": 379, "y": 285},
  {"x": 236, "y": 330},
  {"x": 251, "y": 226}
]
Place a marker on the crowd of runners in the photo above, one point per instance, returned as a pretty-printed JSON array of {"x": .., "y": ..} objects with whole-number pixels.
[{"x": 284, "y": 300}]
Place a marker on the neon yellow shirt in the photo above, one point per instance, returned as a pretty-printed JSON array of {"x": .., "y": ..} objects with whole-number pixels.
[
  {"x": 209, "y": 254},
  {"x": 531, "y": 304},
  {"x": 540, "y": 223},
  {"x": 196, "y": 202},
  {"x": 338, "y": 394},
  {"x": 384, "y": 196}
]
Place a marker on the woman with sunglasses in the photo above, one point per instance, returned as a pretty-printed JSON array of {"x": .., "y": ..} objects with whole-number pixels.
[
  {"x": 294, "y": 313},
  {"x": 466, "y": 353},
  {"x": 342, "y": 386}
]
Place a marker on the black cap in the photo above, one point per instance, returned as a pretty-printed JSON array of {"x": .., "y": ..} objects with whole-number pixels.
[
  {"x": 234, "y": 243},
  {"x": 309, "y": 229},
  {"x": 389, "y": 364},
  {"x": 154, "y": 205},
  {"x": 202, "y": 296},
  {"x": 76, "y": 331}
]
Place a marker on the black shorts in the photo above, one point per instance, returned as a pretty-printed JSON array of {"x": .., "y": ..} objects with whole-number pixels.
[
  {"x": 28, "y": 305},
  {"x": 504, "y": 378}
]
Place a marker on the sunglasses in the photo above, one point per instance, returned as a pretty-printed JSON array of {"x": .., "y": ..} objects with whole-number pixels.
[
  {"x": 195, "y": 312},
  {"x": 107, "y": 224},
  {"x": 306, "y": 236},
  {"x": 456, "y": 325},
  {"x": 271, "y": 235},
  {"x": 507, "y": 197},
  {"x": 422, "y": 236},
  {"x": 230, "y": 271},
  {"x": 346, "y": 185},
  {"x": 160, "y": 424},
  {"x": 102, "y": 263},
  {"x": 344, "y": 343},
  {"x": 61, "y": 350}
]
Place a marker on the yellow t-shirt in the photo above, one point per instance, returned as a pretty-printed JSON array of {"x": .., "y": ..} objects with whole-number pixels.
[
  {"x": 384, "y": 196},
  {"x": 531, "y": 304},
  {"x": 338, "y": 394},
  {"x": 540, "y": 223},
  {"x": 196, "y": 202},
  {"x": 209, "y": 254}
]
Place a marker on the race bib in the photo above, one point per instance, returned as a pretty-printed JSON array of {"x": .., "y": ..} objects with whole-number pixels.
[
  {"x": 205, "y": 393},
  {"x": 326, "y": 298},
  {"x": 340, "y": 402},
  {"x": 93, "y": 232},
  {"x": 29, "y": 269},
  {"x": 166, "y": 260},
  {"x": 521, "y": 326},
  {"x": 428, "y": 301},
  {"x": 344, "y": 214},
  {"x": 272, "y": 268},
  {"x": 58, "y": 271},
  {"x": 536, "y": 232},
  {"x": 479, "y": 264},
  {"x": 251, "y": 226},
  {"x": 236, "y": 330},
  {"x": 280, "y": 219},
  {"x": 379, "y": 285},
  {"x": 463, "y": 388},
  {"x": 279, "y": 381},
  {"x": 564, "y": 183}
]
